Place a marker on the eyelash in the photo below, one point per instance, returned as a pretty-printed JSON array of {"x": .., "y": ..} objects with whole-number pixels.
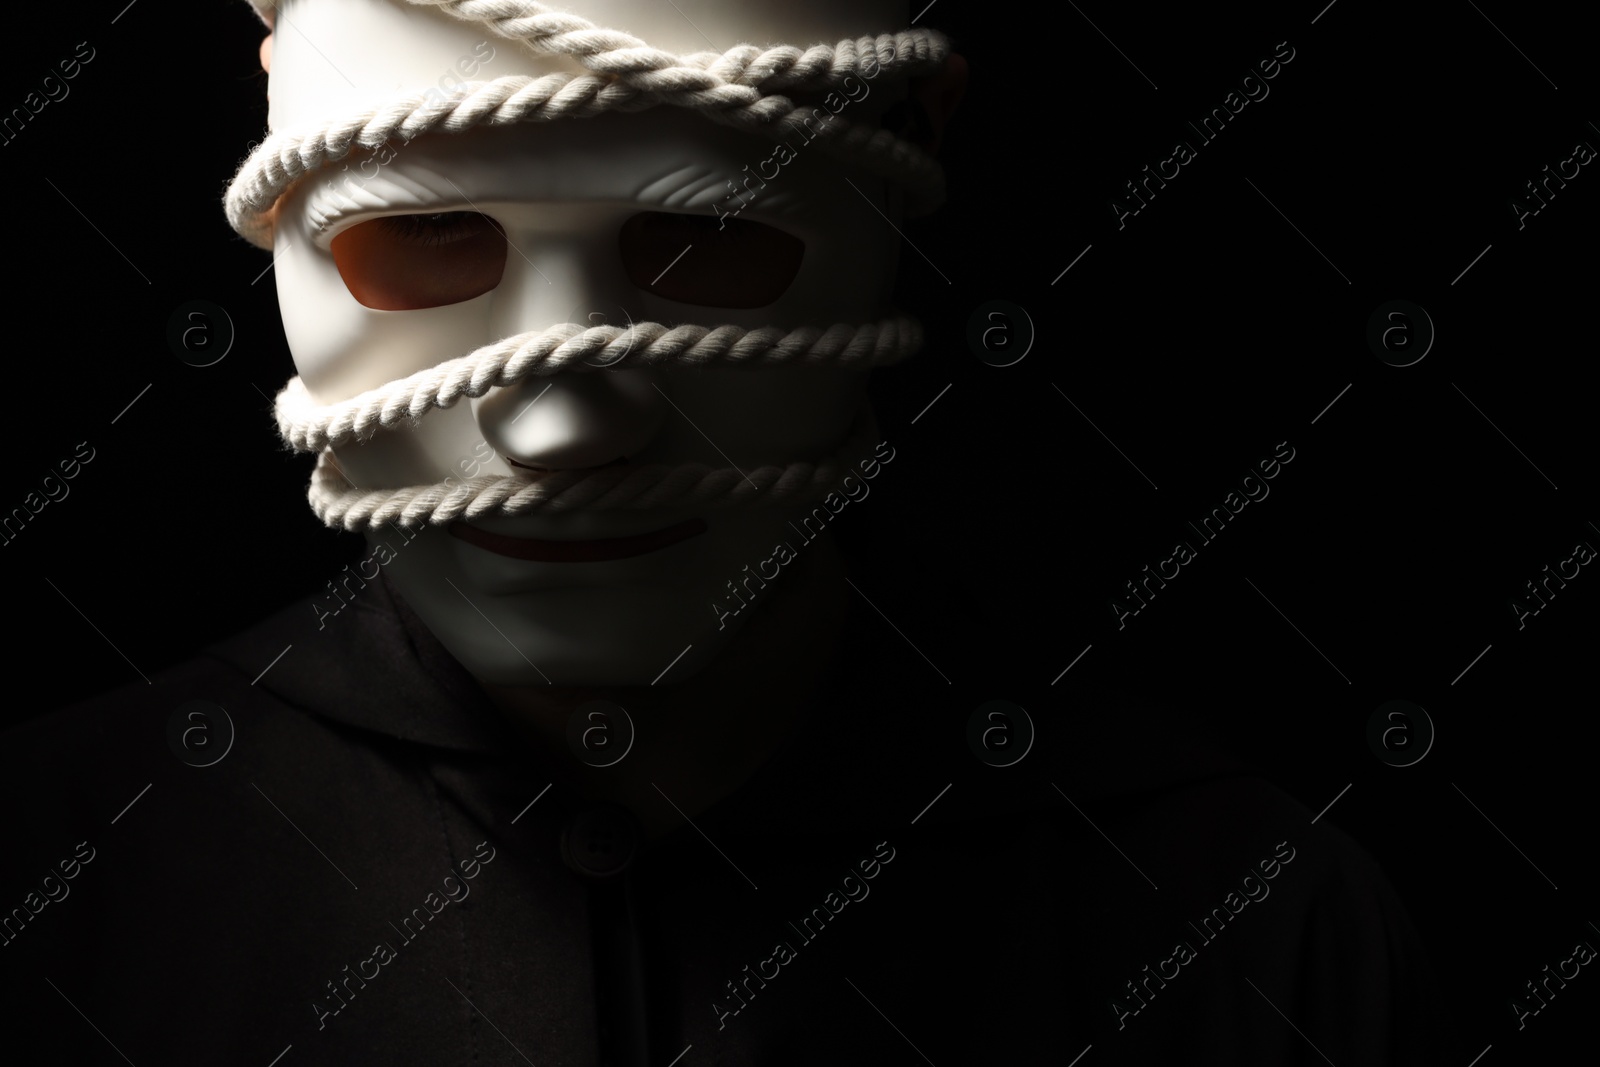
[{"x": 437, "y": 229}]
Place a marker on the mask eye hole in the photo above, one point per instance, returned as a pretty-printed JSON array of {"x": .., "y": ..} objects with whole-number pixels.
[
  {"x": 709, "y": 262},
  {"x": 411, "y": 262}
]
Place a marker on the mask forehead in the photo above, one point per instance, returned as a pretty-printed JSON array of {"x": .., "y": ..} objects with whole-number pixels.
[{"x": 336, "y": 57}]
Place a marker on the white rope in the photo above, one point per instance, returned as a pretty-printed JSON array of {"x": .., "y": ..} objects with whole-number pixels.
[
  {"x": 567, "y": 346},
  {"x": 742, "y": 87},
  {"x": 339, "y": 504},
  {"x": 738, "y": 88}
]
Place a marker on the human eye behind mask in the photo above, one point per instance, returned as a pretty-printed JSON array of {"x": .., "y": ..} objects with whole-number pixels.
[{"x": 412, "y": 262}]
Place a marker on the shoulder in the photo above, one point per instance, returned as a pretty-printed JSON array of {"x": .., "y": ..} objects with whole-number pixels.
[
  {"x": 1285, "y": 918},
  {"x": 1175, "y": 897},
  {"x": 82, "y": 765}
]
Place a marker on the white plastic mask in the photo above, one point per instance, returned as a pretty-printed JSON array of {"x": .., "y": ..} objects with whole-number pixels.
[{"x": 403, "y": 259}]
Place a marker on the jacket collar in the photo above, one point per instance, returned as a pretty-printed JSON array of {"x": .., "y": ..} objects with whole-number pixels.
[
  {"x": 881, "y": 723},
  {"x": 375, "y": 666}
]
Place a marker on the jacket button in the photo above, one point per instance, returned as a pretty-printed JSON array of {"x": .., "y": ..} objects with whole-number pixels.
[{"x": 600, "y": 842}]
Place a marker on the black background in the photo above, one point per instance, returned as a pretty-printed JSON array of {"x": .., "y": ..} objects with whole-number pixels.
[{"x": 1195, "y": 338}]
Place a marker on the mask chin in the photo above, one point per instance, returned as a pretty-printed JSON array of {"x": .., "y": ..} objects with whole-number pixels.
[{"x": 661, "y": 615}]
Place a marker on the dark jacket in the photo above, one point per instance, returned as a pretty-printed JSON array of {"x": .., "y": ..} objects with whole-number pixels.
[{"x": 361, "y": 879}]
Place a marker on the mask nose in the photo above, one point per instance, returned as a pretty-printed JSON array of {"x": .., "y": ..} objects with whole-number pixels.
[{"x": 572, "y": 419}]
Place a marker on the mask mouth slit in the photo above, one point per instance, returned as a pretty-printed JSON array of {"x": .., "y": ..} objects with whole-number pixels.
[{"x": 591, "y": 550}]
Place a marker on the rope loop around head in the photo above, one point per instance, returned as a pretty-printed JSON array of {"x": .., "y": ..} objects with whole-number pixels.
[
  {"x": 747, "y": 87},
  {"x": 614, "y": 52},
  {"x": 308, "y": 427},
  {"x": 285, "y": 157},
  {"x": 342, "y": 506}
]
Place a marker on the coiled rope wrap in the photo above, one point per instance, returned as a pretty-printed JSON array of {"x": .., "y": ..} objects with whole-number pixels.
[
  {"x": 339, "y": 504},
  {"x": 308, "y": 427},
  {"x": 567, "y": 346},
  {"x": 283, "y": 158},
  {"x": 742, "y": 87}
]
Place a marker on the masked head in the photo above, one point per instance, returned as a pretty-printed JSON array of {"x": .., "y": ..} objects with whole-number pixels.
[{"x": 581, "y": 317}]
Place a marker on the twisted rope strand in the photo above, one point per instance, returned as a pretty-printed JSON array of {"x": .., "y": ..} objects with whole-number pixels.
[
  {"x": 339, "y": 504},
  {"x": 607, "y": 51},
  {"x": 741, "y": 88},
  {"x": 285, "y": 157},
  {"x": 308, "y": 427}
]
